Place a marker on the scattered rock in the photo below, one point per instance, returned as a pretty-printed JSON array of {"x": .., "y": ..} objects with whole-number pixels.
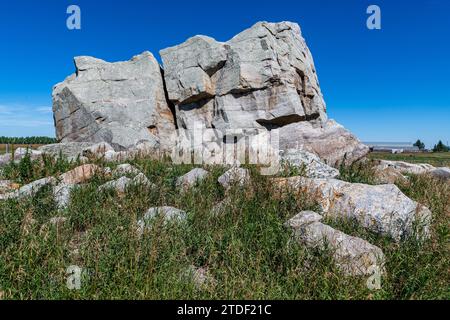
[
  {"x": 191, "y": 178},
  {"x": 311, "y": 164},
  {"x": 330, "y": 141},
  {"x": 354, "y": 256},
  {"x": 29, "y": 190},
  {"x": 5, "y": 159},
  {"x": 167, "y": 213},
  {"x": 234, "y": 176},
  {"x": 388, "y": 176},
  {"x": 80, "y": 174},
  {"x": 441, "y": 173},
  {"x": 405, "y": 167},
  {"x": 142, "y": 180},
  {"x": 200, "y": 277},
  {"x": 61, "y": 194},
  {"x": 382, "y": 208},
  {"x": 120, "y": 185},
  {"x": 119, "y": 103},
  {"x": 125, "y": 169},
  {"x": 20, "y": 153}
]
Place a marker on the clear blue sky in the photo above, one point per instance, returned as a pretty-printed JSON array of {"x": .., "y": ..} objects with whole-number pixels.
[{"x": 391, "y": 84}]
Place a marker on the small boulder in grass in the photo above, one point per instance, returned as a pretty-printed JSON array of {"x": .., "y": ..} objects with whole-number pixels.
[
  {"x": 191, "y": 178},
  {"x": 354, "y": 256},
  {"x": 200, "y": 277},
  {"x": 80, "y": 174},
  {"x": 234, "y": 176},
  {"x": 125, "y": 169},
  {"x": 119, "y": 185}
]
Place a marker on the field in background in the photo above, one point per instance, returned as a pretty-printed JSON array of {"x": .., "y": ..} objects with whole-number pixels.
[
  {"x": 438, "y": 159},
  {"x": 15, "y": 146}
]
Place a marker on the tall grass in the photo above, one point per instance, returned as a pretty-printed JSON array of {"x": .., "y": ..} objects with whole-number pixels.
[{"x": 244, "y": 246}]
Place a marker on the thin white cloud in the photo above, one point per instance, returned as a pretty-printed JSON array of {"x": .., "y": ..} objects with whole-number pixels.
[
  {"x": 16, "y": 119},
  {"x": 44, "y": 110}
]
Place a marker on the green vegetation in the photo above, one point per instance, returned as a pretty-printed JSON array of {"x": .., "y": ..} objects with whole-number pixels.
[
  {"x": 27, "y": 140},
  {"x": 440, "y": 147},
  {"x": 246, "y": 248},
  {"x": 439, "y": 159},
  {"x": 419, "y": 144}
]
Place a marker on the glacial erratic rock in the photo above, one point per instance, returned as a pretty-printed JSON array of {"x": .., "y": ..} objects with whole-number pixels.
[
  {"x": 119, "y": 103},
  {"x": 263, "y": 76},
  {"x": 80, "y": 174},
  {"x": 168, "y": 214},
  {"x": 383, "y": 208},
  {"x": 354, "y": 256}
]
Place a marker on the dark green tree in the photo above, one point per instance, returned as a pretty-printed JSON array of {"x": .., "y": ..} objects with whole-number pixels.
[
  {"x": 440, "y": 147},
  {"x": 419, "y": 144}
]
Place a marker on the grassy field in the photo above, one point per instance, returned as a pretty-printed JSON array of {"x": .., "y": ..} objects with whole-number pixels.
[
  {"x": 438, "y": 159},
  {"x": 246, "y": 249}
]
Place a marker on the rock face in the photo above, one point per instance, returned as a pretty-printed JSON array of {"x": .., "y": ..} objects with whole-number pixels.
[
  {"x": 383, "y": 209},
  {"x": 120, "y": 103},
  {"x": 354, "y": 256},
  {"x": 264, "y": 78}
]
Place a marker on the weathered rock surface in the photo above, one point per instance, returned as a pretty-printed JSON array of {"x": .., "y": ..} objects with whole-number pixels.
[
  {"x": 20, "y": 153},
  {"x": 97, "y": 150},
  {"x": 192, "y": 177},
  {"x": 69, "y": 149},
  {"x": 265, "y": 75},
  {"x": 330, "y": 141},
  {"x": 120, "y": 185},
  {"x": 354, "y": 256},
  {"x": 80, "y": 174},
  {"x": 382, "y": 208},
  {"x": 125, "y": 169},
  {"x": 442, "y": 173},
  {"x": 61, "y": 194},
  {"x": 234, "y": 176},
  {"x": 5, "y": 159},
  {"x": 264, "y": 78},
  {"x": 119, "y": 103},
  {"x": 30, "y": 189},
  {"x": 405, "y": 167},
  {"x": 308, "y": 162}
]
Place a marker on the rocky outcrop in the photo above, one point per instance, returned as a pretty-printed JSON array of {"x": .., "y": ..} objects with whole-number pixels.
[
  {"x": 401, "y": 168},
  {"x": 308, "y": 163},
  {"x": 354, "y": 256},
  {"x": 264, "y": 78},
  {"x": 383, "y": 209},
  {"x": 119, "y": 103},
  {"x": 29, "y": 190}
]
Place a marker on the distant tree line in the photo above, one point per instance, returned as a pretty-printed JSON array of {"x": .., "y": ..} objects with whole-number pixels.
[
  {"x": 439, "y": 147},
  {"x": 27, "y": 140}
]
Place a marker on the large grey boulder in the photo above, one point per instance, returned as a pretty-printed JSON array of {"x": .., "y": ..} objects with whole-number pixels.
[
  {"x": 354, "y": 256},
  {"x": 263, "y": 76},
  {"x": 262, "y": 79},
  {"x": 383, "y": 208},
  {"x": 119, "y": 103}
]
